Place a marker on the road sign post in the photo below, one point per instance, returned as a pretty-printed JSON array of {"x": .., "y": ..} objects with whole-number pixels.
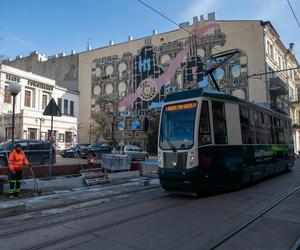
[{"x": 51, "y": 110}]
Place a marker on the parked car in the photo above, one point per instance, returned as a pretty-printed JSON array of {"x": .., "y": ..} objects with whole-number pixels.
[
  {"x": 37, "y": 152},
  {"x": 98, "y": 148},
  {"x": 72, "y": 151},
  {"x": 135, "y": 152}
]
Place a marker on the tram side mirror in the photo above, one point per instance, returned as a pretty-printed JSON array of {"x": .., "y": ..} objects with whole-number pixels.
[{"x": 146, "y": 124}]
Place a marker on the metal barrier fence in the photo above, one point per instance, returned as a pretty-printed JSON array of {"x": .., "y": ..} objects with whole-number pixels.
[
  {"x": 37, "y": 153},
  {"x": 114, "y": 162}
]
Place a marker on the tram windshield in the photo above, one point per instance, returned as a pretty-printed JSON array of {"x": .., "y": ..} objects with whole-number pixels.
[{"x": 178, "y": 125}]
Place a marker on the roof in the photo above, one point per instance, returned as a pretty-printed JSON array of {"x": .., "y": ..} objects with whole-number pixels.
[
  {"x": 212, "y": 93},
  {"x": 201, "y": 92}
]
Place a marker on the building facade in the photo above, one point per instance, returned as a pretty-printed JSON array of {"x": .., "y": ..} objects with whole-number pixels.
[
  {"x": 126, "y": 82},
  {"x": 36, "y": 92}
]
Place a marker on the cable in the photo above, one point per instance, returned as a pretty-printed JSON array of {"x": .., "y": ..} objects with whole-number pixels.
[
  {"x": 294, "y": 13},
  {"x": 161, "y": 14},
  {"x": 272, "y": 72}
]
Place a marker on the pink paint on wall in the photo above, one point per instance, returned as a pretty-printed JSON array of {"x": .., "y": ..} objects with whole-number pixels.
[{"x": 173, "y": 64}]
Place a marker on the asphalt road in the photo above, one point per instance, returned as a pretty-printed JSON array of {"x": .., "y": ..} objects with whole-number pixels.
[{"x": 160, "y": 220}]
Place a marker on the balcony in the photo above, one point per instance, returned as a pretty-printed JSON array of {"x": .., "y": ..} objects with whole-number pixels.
[
  {"x": 279, "y": 109},
  {"x": 278, "y": 86}
]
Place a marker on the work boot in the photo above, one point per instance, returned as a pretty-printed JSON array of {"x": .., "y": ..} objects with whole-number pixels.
[
  {"x": 17, "y": 195},
  {"x": 11, "y": 196}
]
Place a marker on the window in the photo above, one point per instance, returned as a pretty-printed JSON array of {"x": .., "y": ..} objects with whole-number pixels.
[
  {"x": 204, "y": 126},
  {"x": 71, "y": 108},
  {"x": 66, "y": 104},
  {"x": 53, "y": 134},
  {"x": 260, "y": 130},
  {"x": 8, "y": 133},
  {"x": 27, "y": 98},
  {"x": 219, "y": 120},
  {"x": 247, "y": 127},
  {"x": 32, "y": 133},
  {"x": 7, "y": 95},
  {"x": 59, "y": 104},
  {"x": 271, "y": 51},
  {"x": 61, "y": 137},
  {"x": 44, "y": 101},
  {"x": 68, "y": 137}
]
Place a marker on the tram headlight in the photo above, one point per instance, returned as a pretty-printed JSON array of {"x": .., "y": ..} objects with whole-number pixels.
[
  {"x": 191, "y": 157},
  {"x": 159, "y": 158}
]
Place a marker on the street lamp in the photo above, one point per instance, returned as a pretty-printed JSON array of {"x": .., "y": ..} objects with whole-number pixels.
[{"x": 14, "y": 89}]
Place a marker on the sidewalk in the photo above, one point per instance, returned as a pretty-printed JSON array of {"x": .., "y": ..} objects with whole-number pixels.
[{"x": 84, "y": 194}]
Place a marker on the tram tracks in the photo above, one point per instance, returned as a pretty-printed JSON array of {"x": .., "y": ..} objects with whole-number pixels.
[
  {"x": 94, "y": 230},
  {"x": 75, "y": 216},
  {"x": 261, "y": 213}
]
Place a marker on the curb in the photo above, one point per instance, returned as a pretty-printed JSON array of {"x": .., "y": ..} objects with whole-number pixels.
[
  {"x": 12, "y": 208},
  {"x": 15, "y": 209}
]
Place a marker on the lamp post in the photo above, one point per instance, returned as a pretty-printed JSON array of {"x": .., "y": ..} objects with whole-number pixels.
[{"x": 14, "y": 89}]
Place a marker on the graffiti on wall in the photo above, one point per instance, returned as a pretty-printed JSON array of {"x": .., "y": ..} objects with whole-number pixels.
[{"x": 139, "y": 82}]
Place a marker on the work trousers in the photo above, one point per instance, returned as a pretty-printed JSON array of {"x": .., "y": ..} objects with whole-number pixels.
[{"x": 15, "y": 182}]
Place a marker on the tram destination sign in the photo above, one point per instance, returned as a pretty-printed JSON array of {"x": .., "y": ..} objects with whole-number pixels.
[{"x": 181, "y": 106}]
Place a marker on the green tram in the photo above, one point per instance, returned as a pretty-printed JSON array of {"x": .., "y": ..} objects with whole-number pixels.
[{"x": 210, "y": 141}]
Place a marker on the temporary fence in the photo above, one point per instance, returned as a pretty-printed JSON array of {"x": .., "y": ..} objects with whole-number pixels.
[
  {"x": 115, "y": 162},
  {"x": 37, "y": 152}
]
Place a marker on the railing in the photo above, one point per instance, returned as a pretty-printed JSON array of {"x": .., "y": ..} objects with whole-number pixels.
[{"x": 278, "y": 86}]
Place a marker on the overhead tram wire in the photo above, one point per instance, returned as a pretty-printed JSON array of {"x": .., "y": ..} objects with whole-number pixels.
[
  {"x": 272, "y": 72},
  {"x": 292, "y": 9}
]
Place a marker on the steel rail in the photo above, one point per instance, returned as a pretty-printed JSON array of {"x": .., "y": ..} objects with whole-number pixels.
[{"x": 256, "y": 217}]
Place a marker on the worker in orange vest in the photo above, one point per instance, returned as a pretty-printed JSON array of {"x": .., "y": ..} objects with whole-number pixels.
[{"x": 17, "y": 160}]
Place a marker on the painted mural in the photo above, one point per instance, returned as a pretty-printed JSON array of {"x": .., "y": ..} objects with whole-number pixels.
[{"x": 133, "y": 85}]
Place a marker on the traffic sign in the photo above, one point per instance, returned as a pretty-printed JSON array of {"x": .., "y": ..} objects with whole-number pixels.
[{"x": 52, "y": 109}]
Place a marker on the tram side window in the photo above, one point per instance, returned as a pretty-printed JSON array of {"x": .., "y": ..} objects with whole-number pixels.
[
  {"x": 259, "y": 127},
  {"x": 204, "y": 127},
  {"x": 247, "y": 127},
  {"x": 219, "y": 120},
  {"x": 274, "y": 130}
]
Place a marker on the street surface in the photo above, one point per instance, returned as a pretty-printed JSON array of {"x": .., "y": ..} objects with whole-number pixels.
[{"x": 154, "y": 219}]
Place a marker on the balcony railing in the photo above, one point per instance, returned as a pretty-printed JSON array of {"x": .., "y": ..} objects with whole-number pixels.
[{"x": 278, "y": 86}]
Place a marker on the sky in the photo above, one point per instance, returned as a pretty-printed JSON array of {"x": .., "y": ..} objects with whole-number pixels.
[{"x": 55, "y": 26}]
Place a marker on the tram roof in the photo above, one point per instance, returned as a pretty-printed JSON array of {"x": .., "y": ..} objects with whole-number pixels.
[
  {"x": 212, "y": 93},
  {"x": 201, "y": 92}
]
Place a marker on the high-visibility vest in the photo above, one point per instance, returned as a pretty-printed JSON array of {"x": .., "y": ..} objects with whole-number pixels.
[{"x": 17, "y": 160}]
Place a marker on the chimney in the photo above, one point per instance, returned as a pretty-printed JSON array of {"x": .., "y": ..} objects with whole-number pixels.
[
  {"x": 73, "y": 52},
  {"x": 88, "y": 48},
  {"x": 201, "y": 18},
  {"x": 211, "y": 16},
  {"x": 292, "y": 48},
  {"x": 61, "y": 54},
  {"x": 129, "y": 38},
  {"x": 18, "y": 56},
  {"x": 154, "y": 32},
  {"x": 185, "y": 24},
  {"x": 111, "y": 43},
  {"x": 32, "y": 53},
  {"x": 195, "y": 20}
]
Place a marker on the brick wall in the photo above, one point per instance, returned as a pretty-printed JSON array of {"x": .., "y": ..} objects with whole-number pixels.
[{"x": 43, "y": 171}]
